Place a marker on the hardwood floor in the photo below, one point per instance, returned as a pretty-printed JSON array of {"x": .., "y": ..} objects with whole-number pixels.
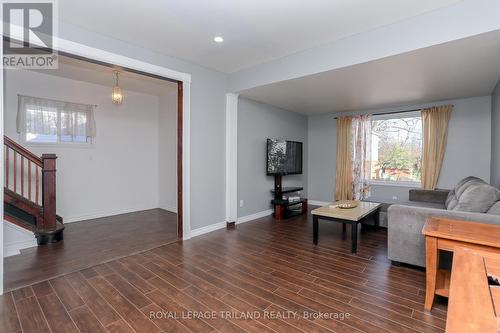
[
  {"x": 269, "y": 272},
  {"x": 89, "y": 243}
]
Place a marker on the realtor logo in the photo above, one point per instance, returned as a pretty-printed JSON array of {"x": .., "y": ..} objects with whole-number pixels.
[{"x": 29, "y": 31}]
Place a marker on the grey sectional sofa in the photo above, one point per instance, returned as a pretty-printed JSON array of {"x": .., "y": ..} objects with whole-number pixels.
[{"x": 472, "y": 199}]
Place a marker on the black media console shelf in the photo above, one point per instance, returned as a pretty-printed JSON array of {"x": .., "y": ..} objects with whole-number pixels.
[
  {"x": 289, "y": 189},
  {"x": 284, "y": 208}
]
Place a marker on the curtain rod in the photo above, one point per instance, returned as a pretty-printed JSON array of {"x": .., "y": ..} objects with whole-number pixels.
[
  {"x": 392, "y": 112},
  {"x": 395, "y": 112},
  {"x": 57, "y": 100}
]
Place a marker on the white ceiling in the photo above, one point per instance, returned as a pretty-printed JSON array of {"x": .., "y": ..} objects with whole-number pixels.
[
  {"x": 80, "y": 70},
  {"x": 254, "y": 31},
  {"x": 464, "y": 68}
]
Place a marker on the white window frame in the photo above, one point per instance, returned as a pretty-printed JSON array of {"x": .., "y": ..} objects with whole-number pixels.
[
  {"x": 88, "y": 144},
  {"x": 24, "y": 142},
  {"x": 395, "y": 183}
]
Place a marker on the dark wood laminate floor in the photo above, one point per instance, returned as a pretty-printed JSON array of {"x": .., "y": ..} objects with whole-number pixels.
[
  {"x": 92, "y": 242},
  {"x": 265, "y": 269}
]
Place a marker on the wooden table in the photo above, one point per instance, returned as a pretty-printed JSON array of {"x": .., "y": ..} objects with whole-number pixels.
[
  {"x": 447, "y": 235},
  {"x": 352, "y": 216},
  {"x": 474, "y": 304}
]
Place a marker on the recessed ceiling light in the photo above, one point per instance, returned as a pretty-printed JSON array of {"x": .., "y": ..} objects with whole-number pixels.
[{"x": 218, "y": 39}]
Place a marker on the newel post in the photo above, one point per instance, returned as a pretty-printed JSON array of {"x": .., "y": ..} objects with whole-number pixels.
[{"x": 49, "y": 191}]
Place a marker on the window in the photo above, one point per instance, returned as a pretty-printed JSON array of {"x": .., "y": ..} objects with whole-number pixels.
[
  {"x": 396, "y": 148},
  {"x": 41, "y": 120}
]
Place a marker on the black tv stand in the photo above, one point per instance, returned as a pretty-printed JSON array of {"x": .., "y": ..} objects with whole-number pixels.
[
  {"x": 283, "y": 208},
  {"x": 289, "y": 189}
]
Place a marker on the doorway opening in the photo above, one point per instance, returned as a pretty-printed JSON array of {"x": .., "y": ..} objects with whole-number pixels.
[{"x": 140, "y": 89}]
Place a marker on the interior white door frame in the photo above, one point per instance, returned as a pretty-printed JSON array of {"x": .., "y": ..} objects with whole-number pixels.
[
  {"x": 231, "y": 157},
  {"x": 85, "y": 51}
]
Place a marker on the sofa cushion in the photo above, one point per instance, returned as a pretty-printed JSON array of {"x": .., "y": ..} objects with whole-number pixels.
[
  {"x": 466, "y": 182},
  {"x": 477, "y": 198},
  {"x": 453, "y": 198},
  {"x": 495, "y": 209},
  {"x": 434, "y": 196},
  {"x": 423, "y": 204}
]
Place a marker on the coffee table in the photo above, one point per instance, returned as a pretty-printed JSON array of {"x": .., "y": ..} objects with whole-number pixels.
[{"x": 351, "y": 216}]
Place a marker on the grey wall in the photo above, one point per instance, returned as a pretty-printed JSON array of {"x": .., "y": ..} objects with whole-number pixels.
[
  {"x": 467, "y": 153},
  {"x": 322, "y": 149},
  {"x": 256, "y": 123},
  {"x": 495, "y": 136},
  {"x": 208, "y": 89}
]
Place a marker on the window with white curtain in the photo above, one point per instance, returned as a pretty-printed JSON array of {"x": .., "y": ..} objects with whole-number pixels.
[{"x": 42, "y": 120}]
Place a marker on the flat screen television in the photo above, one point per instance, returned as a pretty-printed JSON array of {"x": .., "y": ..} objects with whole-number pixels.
[{"x": 284, "y": 157}]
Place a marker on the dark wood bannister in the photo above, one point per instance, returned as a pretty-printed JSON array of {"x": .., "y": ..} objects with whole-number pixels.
[{"x": 30, "y": 192}]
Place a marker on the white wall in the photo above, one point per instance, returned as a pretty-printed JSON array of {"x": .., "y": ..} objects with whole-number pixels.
[
  {"x": 120, "y": 172},
  {"x": 167, "y": 147},
  {"x": 257, "y": 122},
  {"x": 467, "y": 153}
]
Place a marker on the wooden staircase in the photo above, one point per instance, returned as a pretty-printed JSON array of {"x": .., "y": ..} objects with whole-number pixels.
[{"x": 30, "y": 192}]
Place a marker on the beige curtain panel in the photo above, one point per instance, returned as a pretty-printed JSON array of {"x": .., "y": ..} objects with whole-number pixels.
[
  {"x": 343, "y": 177},
  {"x": 435, "y": 132}
]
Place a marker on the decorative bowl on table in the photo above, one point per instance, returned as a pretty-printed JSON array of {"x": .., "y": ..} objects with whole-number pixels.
[{"x": 346, "y": 204}]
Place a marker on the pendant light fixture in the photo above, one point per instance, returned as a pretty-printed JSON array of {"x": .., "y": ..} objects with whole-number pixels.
[{"x": 117, "y": 94}]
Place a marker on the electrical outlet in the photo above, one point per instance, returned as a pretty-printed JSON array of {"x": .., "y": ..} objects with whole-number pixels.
[
  {"x": 242, "y": 203},
  {"x": 395, "y": 198}
]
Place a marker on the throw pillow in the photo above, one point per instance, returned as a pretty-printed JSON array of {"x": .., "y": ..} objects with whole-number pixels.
[{"x": 477, "y": 198}]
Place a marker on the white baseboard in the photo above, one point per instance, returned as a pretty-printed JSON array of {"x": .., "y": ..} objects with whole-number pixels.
[
  {"x": 255, "y": 216},
  {"x": 318, "y": 203},
  {"x": 222, "y": 225},
  {"x": 16, "y": 239},
  {"x": 169, "y": 209},
  {"x": 207, "y": 229},
  {"x": 100, "y": 214}
]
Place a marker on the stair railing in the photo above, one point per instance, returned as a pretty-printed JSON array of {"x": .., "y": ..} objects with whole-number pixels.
[{"x": 33, "y": 178}]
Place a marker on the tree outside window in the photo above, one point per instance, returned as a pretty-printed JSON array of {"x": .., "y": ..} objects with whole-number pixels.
[{"x": 396, "y": 149}]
